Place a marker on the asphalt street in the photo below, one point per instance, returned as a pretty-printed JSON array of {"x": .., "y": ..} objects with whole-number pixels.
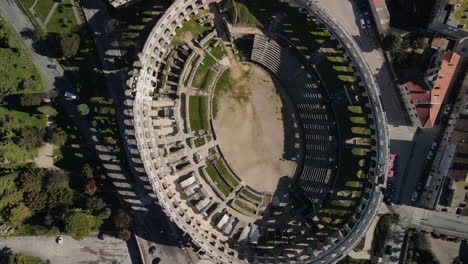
[
  {"x": 433, "y": 221},
  {"x": 347, "y": 15}
]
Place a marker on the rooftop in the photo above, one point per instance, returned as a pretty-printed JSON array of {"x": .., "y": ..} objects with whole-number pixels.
[{"x": 428, "y": 101}]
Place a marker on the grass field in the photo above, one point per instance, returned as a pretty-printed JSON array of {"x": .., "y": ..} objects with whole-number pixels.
[
  {"x": 63, "y": 19},
  {"x": 199, "y": 142},
  {"x": 204, "y": 75},
  {"x": 460, "y": 11},
  {"x": 218, "y": 52},
  {"x": 218, "y": 180},
  {"x": 190, "y": 27},
  {"x": 17, "y": 71},
  {"x": 225, "y": 173},
  {"x": 28, "y": 119},
  {"x": 250, "y": 195},
  {"x": 222, "y": 86},
  {"x": 198, "y": 112},
  {"x": 244, "y": 204}
]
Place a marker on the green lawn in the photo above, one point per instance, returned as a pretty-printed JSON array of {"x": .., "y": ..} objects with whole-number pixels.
[
  {"x": 460, "y": 12},
  {"x": 63, "y": 20},
  {"x": 17, "y": 71},
  {"x": 360, "y": 151},
  {"x": 361, "y": 130},
  {"x": 198, "y": 112},
  {"x": 43, "y": 8},
  {"x": 244, "y": 205},
  {"x": 218, "y": 180},
  {"x": 199, "y": 142},
  {"x": 358, "y": 120},
  {"x": 222, "y": 86},
  {"x": 250, "y": 195},
  {"x": 226, "y": 173},
  {"x": 204, "y": 75},
  {"x": 355, "y": 109},
  {"x": 28, "y": 119},
  {"x": 218, "y": 52},
  {"x": 191, "y": 27},
  {"x": 19, "y": 259}
]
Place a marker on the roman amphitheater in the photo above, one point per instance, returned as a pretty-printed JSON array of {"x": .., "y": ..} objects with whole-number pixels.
[{"x": 260, "y": 129}]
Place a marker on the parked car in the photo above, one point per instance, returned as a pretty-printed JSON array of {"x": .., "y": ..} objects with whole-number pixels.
[
  {"x": 369, "y": 23},
  {"x": 447, "y": 109},
  {"x": 152, "y": 250},
  {"x": 430, "y": 155},
  {"x": 388, "y": 250},
  {"x": 51, "y": 66},
  {"x": 71, "y": 95},
  {"x": 363, "y": 23},
  {"x": 414, "y": 197},
  {"x": 434, "y": 145},
  {"x": 59, "y": 240},
  {"x": 181, "y": 244},
  {"x": 115, "y": 161}
]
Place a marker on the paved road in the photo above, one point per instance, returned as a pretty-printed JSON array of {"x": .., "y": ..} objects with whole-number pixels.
[
  {"x": 417, "y": 163},
  {"x": 89, "y": 250},
  {"x": 433, "y": 221},
  {"x": 347, "y": 16}
]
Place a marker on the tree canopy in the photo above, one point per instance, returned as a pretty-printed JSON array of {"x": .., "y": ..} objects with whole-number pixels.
[
  {"x": 80, "y": 224},
  {"x": 68, "y": 44}
]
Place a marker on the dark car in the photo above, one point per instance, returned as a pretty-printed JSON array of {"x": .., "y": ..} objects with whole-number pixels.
[
  {"x": 101, "y": 236},
  {"x": 156, "y": 260},
  {"x": 51, "y": 66},
  {"x": 152, "y": 250},
  {"x": 388, "y": 250}
]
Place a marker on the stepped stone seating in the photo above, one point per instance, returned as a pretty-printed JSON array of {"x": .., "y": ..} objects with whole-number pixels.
[{"x": 314, "y": 117}]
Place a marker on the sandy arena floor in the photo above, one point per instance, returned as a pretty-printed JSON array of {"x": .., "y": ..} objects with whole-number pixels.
[{"x": 250, "y": 133}]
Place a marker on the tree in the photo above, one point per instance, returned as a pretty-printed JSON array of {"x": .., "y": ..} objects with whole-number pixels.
[
  {"x": 80, "y": 224},
  {"x": 47, "y": 110},
  {"x": 57, "y": 180},
  {"x": 59, "y": 137},
  {"x": 87, "y": 171},
  {"x": 19, "y": 213},
  {"x": 94, "y": 203},
  {"x": 83, "y": 109},
  {"x": 30, "y": 100},
  {"x": 122, "y": 220},
  {"x": 68, "y": 44},
  {"x": 90, "y": 187},
  {"x": 31, "y": 138},
  {"x": 105, "y": 214},
  {"x": 10, "y": 195},
  {"x": 124, "y": 234}
]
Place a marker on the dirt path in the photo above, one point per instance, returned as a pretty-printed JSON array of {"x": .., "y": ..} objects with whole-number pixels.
[
  {"x": 45, "y": 156},
  {"x": 250, "y": 129}
]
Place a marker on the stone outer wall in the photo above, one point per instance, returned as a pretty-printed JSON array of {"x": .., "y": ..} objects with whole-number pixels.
[{"x": 148, "y": 138}]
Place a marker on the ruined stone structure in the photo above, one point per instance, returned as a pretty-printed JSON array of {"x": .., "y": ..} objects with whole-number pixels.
[{"x": 177, "y": 171}]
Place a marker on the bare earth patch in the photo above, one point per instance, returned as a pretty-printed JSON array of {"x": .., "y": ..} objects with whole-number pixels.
[{"x": 249, "y": 129}]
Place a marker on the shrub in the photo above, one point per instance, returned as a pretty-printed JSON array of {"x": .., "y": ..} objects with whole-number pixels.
[
  {"x": 83, "y": 109},
  {"x": 47, "y": 110},
  {"x": 30, "y": 100}
]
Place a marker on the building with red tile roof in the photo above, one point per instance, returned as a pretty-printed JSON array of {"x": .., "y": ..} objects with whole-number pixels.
[{"x": 428, "y": 95}]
